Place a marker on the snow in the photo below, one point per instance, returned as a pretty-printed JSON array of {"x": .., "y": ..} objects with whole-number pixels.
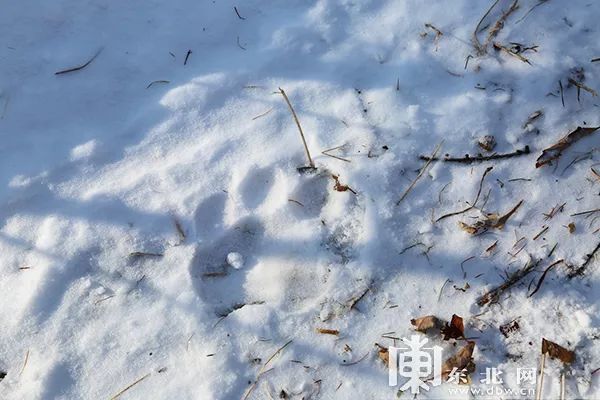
[
  {"x": 123, "y": 203},
  {"x": 235, "y": 260}
]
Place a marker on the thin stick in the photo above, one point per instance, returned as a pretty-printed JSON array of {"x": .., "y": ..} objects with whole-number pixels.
[
  {"x": 497, "y": 27},
  {"x": 539, "y": 284},
  {"x": 540, "y": 385},
  {"x": 488, "y": 169},
  {"x": 263, "y": 114},
  {"x": 562, "y": 95},
  {"x": 476, "y": 42},
  {"x": 586, "y": 212},
  {"x": 530, "y": 10},
  {"x": 586, "y": 263},
  {"x": 66, "y": 71},
  {"x": 238, "y": 13},
  {"x": 470, "y": 159},
  {"x": 287, "y": 100},
  {"x": 326, "y": 153},
  {"x": 262, "y": 369},
  {"x": 24, "y": 362},
  {"x": 508, "y": 51},
  {"x": 562, "y": 386},
  {"x": 536, "y": 237},
  {"x": 580, "y": 85},
  {"x": 129, "y": 387},
  {"x": 437, "y": 148},
  {"x": 186, "y": 57},
  {"x": 153, "y": 82}
]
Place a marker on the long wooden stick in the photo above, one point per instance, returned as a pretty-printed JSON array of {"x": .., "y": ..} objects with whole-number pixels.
[{"x": 287, "y": 100}]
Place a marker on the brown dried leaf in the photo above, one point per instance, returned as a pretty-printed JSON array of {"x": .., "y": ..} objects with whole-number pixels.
[
  {"x": 571, "y": 227},
  {"x": 477, "y": 228},
  {"x": 463, "y": 359},
  {"x": 556, "y": 351},
  {"x": 489, "y": 221},
  {"x": 339, "y": 187},
  {"x": 424, "y": 323},
  {"x": 554, "y": 152},
  {"x": 383, "y": 354},
  {"x": 455, "y": 329}
]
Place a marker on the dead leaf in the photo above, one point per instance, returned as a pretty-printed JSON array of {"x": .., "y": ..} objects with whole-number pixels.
[
  {"x": 455, "y": 329},
  {"x": 489, "y": 221},
  {"x": 424, "y": 323},
  {"x": 383, "y": 354},
  {"x": 556, "y": 351},
  {"x": 339, "y": 187},
  {"x": 571, "y": 227},
  {"x": 463, "y": 359},
  {"x": 555, "y": 151}
]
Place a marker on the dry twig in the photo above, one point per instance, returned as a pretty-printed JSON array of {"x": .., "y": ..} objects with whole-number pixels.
[
  {"x": 487, "y": 170},
  {"x": 287, "y": 100},
  {"x": 467, "y": 159},
  {"x": 66, "y": 71},
  {"x": 433, "y": 155}
]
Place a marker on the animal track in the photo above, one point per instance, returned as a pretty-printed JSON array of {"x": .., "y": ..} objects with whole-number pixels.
[
  {"x": 312, "y": 194},
  {"x": 208, "y": 216},
  {"x": 255, "y": 186},
  {"x": 214, "y": 280}
]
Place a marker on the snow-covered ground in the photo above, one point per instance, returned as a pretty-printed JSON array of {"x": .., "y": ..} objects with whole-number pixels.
[{"x": 151, "y": 193}]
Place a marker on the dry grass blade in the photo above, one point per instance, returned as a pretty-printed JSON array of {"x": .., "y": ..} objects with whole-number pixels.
[
  {"x": 487, "y": 170},
  {"x": 116, "y": 396},
  {"x": 510, "y": 52},
  {"x": 586, "y": 212},
  {"x": 497, "y": 27},
  {"x": 433, "y": 155},
  {"x": 476, "y": 43},
  {"x": 539, "y": 284},
  {"x": 24, "y": 363},
  {"x": 66, "y": 71},
  {"x": 262, "y": 369},
  {"x": 155, "y": 82},
  {"x": 262, "y": 115},
  {"x": 555, "y": 151},
  {"x": 581, "y": 86},
  {"x": 530, "y": 10},
  {"x": 287, "y": 100}
]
